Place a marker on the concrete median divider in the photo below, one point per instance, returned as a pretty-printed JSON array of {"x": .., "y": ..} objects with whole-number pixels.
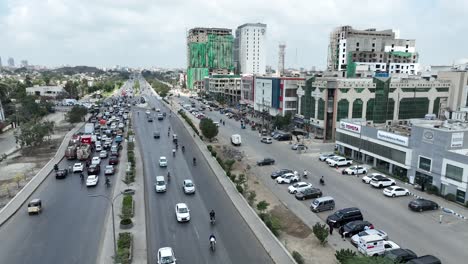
[{"x": 21, "y": 197}]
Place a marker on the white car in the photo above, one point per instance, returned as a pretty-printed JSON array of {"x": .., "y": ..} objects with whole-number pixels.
[
  {"x": 103, "y": 154},
  {"x": 332, "y": 158},
  {"x": 98, "y": 147},
  {"x": 158, "y": 110},
  {"x": 287, "y": 178},
  {"x": 393, "y": 191},
  {"x": 188, "y": 186},
  {"x": 367, "y": 178},
  {"x": 355, "y": 238},
  {"x": 92, "y": 180},
  {"x": 298, "y": 186},
  {"x": 121, "y": 125},
  {"x": 382, "y": 181},
  {"x": 166, "y": 256},
  {"x": 78, "y": 167},
  {"x": 96, "y": 161},
  {"x": 148, "y": 112},
  {"x": 324, "y": 157},
  {"x": 162, "y": 161},
  {"x": 109, "y": 170},
  {"x": 182, "y": 212},
  {"x": 355, "y": 170}
]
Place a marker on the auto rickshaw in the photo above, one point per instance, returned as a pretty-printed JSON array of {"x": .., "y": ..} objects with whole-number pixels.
[{"x": 35, "y": 206}]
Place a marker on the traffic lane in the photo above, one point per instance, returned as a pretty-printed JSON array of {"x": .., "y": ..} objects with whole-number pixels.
[
  {"x": 240, "y": 249},
  {"x": 70, "y": 224},
  {"x": 352, "y": 193}
]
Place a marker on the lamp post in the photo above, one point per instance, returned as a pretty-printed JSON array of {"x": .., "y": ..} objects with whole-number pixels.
[{"x": 111, "y": 201}]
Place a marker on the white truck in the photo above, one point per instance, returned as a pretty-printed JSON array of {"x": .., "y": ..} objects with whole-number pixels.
[
  {"x": 339, "y": 161},
  {"x": 236, "y": 140},
  {"x": 89, "y": 128}
]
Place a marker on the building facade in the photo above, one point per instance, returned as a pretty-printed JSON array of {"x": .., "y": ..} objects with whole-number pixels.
[
  {"x": 209, "y": 51},
  {"x": 48, "y": 91},
  {"x": 428, "y": 153},
  {"x": 277, "y": 96},
  {"x": 371, "y": 50},
  {"x": 227, "y": 87},
  {"x": 327, "y": 100},
  {"x": 250, "y": 49},
  {"x": 248, "y": 90},
  {"x": 458, "y": 99}
]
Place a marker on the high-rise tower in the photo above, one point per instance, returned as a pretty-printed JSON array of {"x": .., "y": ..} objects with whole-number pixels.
[{"x": 281, "y": 54}]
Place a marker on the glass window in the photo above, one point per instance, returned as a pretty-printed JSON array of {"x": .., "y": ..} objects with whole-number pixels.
[
  {"x": 453, "y": 172},
  {"x": 343, "y": 106},
  {"x": 425, "y": 163},
  {"x": 357, "y": 108}
]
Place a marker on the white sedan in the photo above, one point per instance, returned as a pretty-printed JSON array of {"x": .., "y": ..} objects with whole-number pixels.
[
  {"x": 182, "y": 212},
  {"x": 367, "y": 179},
  {"x": 188, "y": 187},
  {"x": 162, "y": 161},
  {"x": 103, "y": 154},
  {"x": 298, "y": 186},
  {"x": 109, "y": 170},
  {"x": 166, "y": 256},
  {"x": 393, "y": 191},
  {"x": 78, "y": 167},
  {"x": 287, "y": 178},
  {"x": 92, "y": 180},
  {"x": 382, "y": 181},
  {"x": 355, "y": 170},
  {"x": 96, "y": 161}
]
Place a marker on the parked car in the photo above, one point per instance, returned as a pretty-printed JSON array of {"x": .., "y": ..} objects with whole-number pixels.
[
  {"x": 61, "y": 174},
  {"x": 354, "y": 227},
  {"x": 400, "y": 255},
  {"x": 355, "y": 170},
  {"x": 355, "y": 238},
  {"x": 422, "y": 205},
  {"x": 299, "y": 146},
  {"x": 367, "y": 178},
  {"x": 427, "y": 259},
  {"x": 266, "y": 140},
  {"x": 298, "y": 186},
  {"x": 382, "y": 181},
  {"x": 340, "y": 161},
  {"x": 332, "y": 158},
  {"x": 280, "y": 172},
  {"x": 266, "y": 161},
  {"x": 374, "y": 245},
  {"x": 109, "y": 170},
  {"x": 308, "y": 193},
  {"x": 344, "y": 216},
  {"x": 393, "y": 191},
  {"x": 94, "y": 169},
  {"x": 283, "y": 136},
  {"x": 287, "y": 178},
  {"x": 325, "y": 156}
]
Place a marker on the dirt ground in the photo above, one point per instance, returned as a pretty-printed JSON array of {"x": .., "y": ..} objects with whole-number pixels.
[{"x": 295, "y": 235}]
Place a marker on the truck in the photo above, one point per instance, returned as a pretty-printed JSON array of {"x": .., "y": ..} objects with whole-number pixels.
[
  {"x": 89, "y": 128},
  {"x": 339, "y": 161},
  {"x": 87, "y": 139},
  {"x": 70, "y": 152},
  {"x": 83, "y": 152},
  {"x": 236, "y": 140}
]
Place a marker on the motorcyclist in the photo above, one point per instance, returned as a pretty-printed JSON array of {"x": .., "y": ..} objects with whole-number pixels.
[
  {"x": 212, "y": 215},
  {"x": 183, "y": 148},
  {"x": 194, "y": 161},
  {"x": 56, "y": 167},
  {"x": 168, "y": 176},
  {"x": 212, "y": 240},
  {"x": 173, "y": 152},
  {"x": 177, "y": 146},
  {"x": 305, "y": 173},
  {"x": 81, "y": 176},
  {"x": 107, "y": 182},
  {"x": 322, "y": 181}
]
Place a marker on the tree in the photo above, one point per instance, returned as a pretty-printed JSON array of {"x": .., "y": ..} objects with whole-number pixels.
[
  {"x": 321, "y": 232},
  {"x": 33, "y": 133},
  {"x": 27, "y": 81},
  {"x": 18, "y": 178},
  {"x": 76, "y": 114},
  {"x": 208, "y": 128},
  {"x": 282, "y": 121},
  {"x": 71, "y": 88},
  {"x": 262, "y": 206},
  {"x": 344, "y": 255}
]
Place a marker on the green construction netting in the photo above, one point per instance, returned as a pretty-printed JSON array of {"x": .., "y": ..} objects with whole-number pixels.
[
  {"x": 350, "y": 67},
  {"x": 194, "y": 75},
  {"x": 219, "y": 50},
  {"x": 402, "y": 54},
  {"x": 197, "y": 55}
]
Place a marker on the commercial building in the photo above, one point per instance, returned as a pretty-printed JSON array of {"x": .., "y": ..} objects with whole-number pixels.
[
  {"x": 209, "y": 51},
  {"x": 429, "y": 153},
  {"x": 277, "y": 96},
  {"x": 327, "y": 100},
  {"x": 227, "y": 87},
  {"x": 2, "y": 113},
  {"x": 48, "y": 91},
  {"x": 458, "y": 99},
  {"x": 351, "y": 51},
  {"x": 250, "y": 48},
  {"x": 247, "y": 91}
]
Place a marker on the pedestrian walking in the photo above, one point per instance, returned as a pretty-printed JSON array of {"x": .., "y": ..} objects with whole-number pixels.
[
  {"x": 330, "y": 227},
  {"x": 440, "y": 219},
  {"x": 342, "y": 233}
]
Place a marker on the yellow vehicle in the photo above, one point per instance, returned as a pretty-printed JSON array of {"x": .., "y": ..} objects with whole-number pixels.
[{"x": 35, "y": 206}]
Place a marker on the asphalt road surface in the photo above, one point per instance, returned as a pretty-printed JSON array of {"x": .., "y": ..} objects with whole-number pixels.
[
  {"x": 190, "y": 241},
  {"x": 70, "y": 228},
  {"x": 420, "y": 232}
]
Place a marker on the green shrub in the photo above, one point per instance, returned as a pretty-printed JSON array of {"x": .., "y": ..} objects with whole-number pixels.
[
  {"x": 131, "y": 157},
  {"x": 431, "y": 189},
  {"x": 228, "y": 173},
  {"x": 273, "y": 223},
  {"x": 127, "y": 206},
  {"x": 130, "y": 146},
  {"x": 298, "y": 257},
  {"x": 233, "y": 177},
  {"x": 466, "y": 204},
  {"x": 228, "y": 164},
  {"x": 262, "y": 206},
  {"x": 343, "y": 255},
  {"x": 214, "y": 154},
  {"x": 251, "y": 197},
  {"x": 321, "y": 232},
  {"x": 239, "y": 188},
  {"x": 210, "y": 148},
  {"x": 126, "y": 221},
  {"x": 220, "y": 161},
  {"x": 451, "y": 197},
  {"x": 123, "y": 247}
]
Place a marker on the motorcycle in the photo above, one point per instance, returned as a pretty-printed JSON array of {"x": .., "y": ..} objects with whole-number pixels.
[
  {"x": 212, "y": 244},
  {"x": 322, "y": 182}
]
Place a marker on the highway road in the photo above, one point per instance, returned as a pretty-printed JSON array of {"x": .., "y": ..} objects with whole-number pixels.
[
  {"x": 190, "y": 241},
  {"x": 70, "y": 228},
  {"x": 420, "y": 232}
]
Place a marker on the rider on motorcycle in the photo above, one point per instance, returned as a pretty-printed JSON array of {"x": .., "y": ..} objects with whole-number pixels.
[
  {"x": 212, "y": 239},
  {"x": 168, "y": 176},
  {"x": 194, "y": 161},
  {"x": 173, "y": 152},
  {"x": 107, "y": 181},
  {"x": 322, "y": 181},
  {"x": 183, "y": 148},
  {"x": 305, "y": 173},
  {"x": 212, "y": 215}
]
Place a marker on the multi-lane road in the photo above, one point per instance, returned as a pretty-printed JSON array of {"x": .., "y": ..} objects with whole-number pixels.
[
  {"x": 235, "y": 241},
  {"x": 420, "y": 232}
]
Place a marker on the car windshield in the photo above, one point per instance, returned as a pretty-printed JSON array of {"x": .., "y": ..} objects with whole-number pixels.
[
  {"x": 160, "y": 183},
  {"x": 109, "y": 167},
  {"x": 188, "y": 184},
  {"x": 315, "y": 202},
  {"x": 183, "y": 210}
]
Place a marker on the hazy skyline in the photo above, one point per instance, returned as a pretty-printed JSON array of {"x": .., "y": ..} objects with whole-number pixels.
[{"x": 152, "y": 32}]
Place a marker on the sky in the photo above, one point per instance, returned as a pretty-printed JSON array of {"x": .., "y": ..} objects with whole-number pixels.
[{"x": 144, "y": 33}]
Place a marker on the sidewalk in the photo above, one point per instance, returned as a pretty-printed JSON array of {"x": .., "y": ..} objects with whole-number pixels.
[{"x": 139, "y": 250}]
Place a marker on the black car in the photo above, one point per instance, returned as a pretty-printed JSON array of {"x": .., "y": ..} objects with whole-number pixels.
[
  {"x": 344, "y": 216},
  {"x": 422, "y": 205},
  {"x": 283, "y": 137},
  {"x": 156, "y": 134},
  {"x": 266, "y": 161},
  {"x": 281, "y": 172},
  {"x": 354, "y": 227},
  {"x": 61, "y": 174},
  {"x": 113, "y": 161},
  {"x": 94, "y": 169},
  {"x": 400, "y": 255},
  {"x": 150, "y": 119},
  {"x": 308, "y": 193},
  {"x": 427, "y": 259}
]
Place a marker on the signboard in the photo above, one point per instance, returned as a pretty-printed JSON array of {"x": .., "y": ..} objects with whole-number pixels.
[
  {"x": 457, "y": 140},
  {"x": 350, "y": 127},
  {"x": 428, "y": 136},
  {"x": 392, "y": 138}
]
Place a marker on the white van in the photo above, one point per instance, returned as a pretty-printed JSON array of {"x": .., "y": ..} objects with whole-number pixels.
[
  {"x": 236, "y": 140},
  {"x": 160, "y": 185},
  {"x": 375, "y": 245}
]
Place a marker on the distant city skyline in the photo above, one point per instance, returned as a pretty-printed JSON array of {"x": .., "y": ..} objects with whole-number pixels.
[{"x": 143, "y": 33}]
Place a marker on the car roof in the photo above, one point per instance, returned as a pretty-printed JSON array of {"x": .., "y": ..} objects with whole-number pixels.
[
  {"x": 180, "y": 205},
  {"x": 187, "y": 180},
  {"x": 165, "y": 251},
  {"x": 162, "y": 157}
]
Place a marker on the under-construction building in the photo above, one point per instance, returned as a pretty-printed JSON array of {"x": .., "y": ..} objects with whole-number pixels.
[{"x": 209, "y": 50}]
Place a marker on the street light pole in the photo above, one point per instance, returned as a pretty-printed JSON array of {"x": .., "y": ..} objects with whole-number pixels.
[{"x": 111, "y": 201}]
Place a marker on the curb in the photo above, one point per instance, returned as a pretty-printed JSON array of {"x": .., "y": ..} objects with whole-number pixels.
[
  {"x": 20, "y": 198},
  {"x": 241, "y": 204}
]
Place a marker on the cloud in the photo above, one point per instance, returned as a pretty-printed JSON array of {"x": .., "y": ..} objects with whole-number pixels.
[{"x": 152, "y": 32}]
